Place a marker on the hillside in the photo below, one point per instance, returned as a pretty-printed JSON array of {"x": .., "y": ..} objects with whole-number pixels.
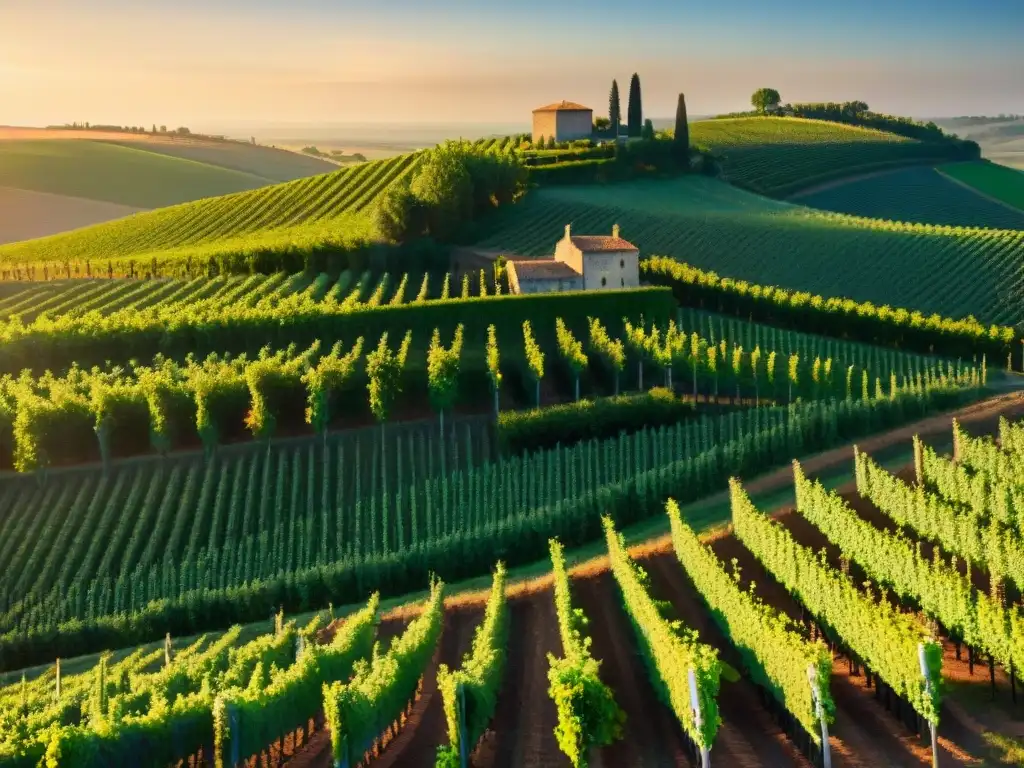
[
  {"x": 114, "y": 173},
  {"x": 715, "y": 226},
  {"x": 995, "y": 181},
  {"x": 266, "y": 162},
  {"x": 924, "y": 195},
  {"x": 779, "y": 156},
  {"x": 302, "y": 213}
]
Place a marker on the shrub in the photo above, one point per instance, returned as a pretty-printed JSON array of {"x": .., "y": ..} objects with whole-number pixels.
[{"x": 521, "y": 431}]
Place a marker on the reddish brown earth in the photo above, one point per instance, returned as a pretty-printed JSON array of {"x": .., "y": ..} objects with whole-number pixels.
[
  {"x": 748, "y": 737},
  {"x": 652, "y": 736},
  {"x": 425, "y": 729},
  {"x": 522, "y": 733}
]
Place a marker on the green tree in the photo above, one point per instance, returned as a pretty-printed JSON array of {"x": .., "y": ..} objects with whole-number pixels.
[
  {"x": 534, "y": 358},
  {"x": 443, "y": 373},
  {"x": 647, "y": 132},
  {"x": 764, "y": 98},
  {"x": 444, "y": 187},
  {"x": 396, "y": 213},
  {"x": 681, "y": 140},
  {"x": 602, "y": 125},
  {"x": 614, "y": 109},
  {"x": 634, "y": 110}
]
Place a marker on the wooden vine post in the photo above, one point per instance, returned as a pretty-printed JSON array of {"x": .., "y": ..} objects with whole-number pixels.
[
  {"x": 705, "y": 753},
  {"x": 928, "y": 688},
  {"x": 826, "y": 749},
  {"x": 463, "y": 736}
]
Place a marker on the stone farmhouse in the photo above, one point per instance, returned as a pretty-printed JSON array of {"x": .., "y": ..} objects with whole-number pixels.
[
  {"x": 580, "y": 263},
  {"x": 565, "y": 121}
]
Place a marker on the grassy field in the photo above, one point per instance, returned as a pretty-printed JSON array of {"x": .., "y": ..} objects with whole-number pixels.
[
  {"x": 778, "y": 156},
  {"x": 952, "y": 271},
  {"x": 320, "y": 209},
  {"x": 924, "y": 195},
  {"x": 1005, "y": 184},
  {"x": 115, "y": 174}
]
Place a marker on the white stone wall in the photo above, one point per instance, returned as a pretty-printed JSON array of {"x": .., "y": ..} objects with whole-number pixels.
[{"x": 614, "y": 269}]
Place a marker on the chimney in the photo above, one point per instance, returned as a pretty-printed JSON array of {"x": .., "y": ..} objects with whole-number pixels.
[
  {"x": 568, "y": 227},
  {"x": 615, "y": 231}
]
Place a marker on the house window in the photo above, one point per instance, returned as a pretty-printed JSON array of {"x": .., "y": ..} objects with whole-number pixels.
[
  {"x": 604, "y": 281},
  {"x": 622, "y": 263}
]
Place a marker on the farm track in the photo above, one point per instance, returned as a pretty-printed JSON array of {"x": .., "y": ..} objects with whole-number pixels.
[
  {"x": 651, "y": 736},
  {"x": 522, "y": 732}
]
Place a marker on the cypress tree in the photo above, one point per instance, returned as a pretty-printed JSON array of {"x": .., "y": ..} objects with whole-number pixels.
[
  {"x": 614, "y": 109},
  {"x": 682, "y": 134},
  {"x": 634, "y": 110}
]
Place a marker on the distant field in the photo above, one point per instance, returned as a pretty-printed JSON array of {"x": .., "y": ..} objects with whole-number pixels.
[
  {"x": 919, "y": 194},
  {"x": 952, "y": 271},
  {"x": 1006, "y": 184},
  {"x": 320, "y": 209},
  {"x": 115, "y": 174},
  {"x": 778, "y": 156},
  {"x": 271, "y": 163},
  {"x": 26, "y": 214}
]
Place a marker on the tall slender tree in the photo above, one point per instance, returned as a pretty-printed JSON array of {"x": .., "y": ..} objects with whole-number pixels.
[
  {"x": 634, "y": 110},
  {"x": 614, "y": 109},
  {"x": 682, "y": 135}
]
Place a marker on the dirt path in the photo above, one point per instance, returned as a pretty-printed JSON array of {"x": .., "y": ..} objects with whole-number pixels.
[
  {"x": 652, "y": 736},
  {"x": 748, "y": 737},
  {"x": 980, "y": 416},
  {"x": 424, "y": 730},
  {"x": 522, "y": 733}
]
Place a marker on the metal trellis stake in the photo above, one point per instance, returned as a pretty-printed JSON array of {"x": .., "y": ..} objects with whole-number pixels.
[
  {"x": 928, "y": 687},
  {"x": 826, "y": 750},
  {"x": 705, "y": 753}
]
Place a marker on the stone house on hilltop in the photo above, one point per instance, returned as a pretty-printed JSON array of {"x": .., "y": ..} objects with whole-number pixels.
[
  {"x": 580, "y": 263},
  {"x": 564, "y": 121}
]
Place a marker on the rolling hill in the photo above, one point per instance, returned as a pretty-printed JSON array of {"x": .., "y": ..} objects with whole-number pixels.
[
  {"x": 780, "y": 155},
  {"x": 954, "y": 271},
  {"x": 319, "y": 210},
  {"x": 53, "y": 181},
  {"x": 115, "y": 174},
  {"x": 922, "y": 194}
]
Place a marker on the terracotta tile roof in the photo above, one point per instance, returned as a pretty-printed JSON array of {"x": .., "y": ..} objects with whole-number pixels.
[
  {"x": 599, "y": 243},
  {"x": 543, "y": 269},
  {"x": 564, "y": 106}
]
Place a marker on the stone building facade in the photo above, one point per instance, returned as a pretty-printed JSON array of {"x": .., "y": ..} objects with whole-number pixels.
[
  {"x": 581, "y": 262},
  {"x": 565, "y": 121}
]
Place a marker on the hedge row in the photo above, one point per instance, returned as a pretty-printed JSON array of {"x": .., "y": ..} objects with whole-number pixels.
[
  {"x": 522, "y": 431},
  {"x": 839, "y": 317},
  {"x": 89, "y": 340}
]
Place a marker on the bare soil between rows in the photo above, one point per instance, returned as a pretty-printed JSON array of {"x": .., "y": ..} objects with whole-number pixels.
[{"x": 864, "y": 735}]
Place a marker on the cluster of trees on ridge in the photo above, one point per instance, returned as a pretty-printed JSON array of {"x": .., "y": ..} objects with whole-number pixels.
[
  {"x": 767, "y": 101},
  {"x": 86, "y": 126}
]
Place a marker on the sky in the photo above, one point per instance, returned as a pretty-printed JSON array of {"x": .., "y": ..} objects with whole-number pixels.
[{"x": 214, "y": 64}]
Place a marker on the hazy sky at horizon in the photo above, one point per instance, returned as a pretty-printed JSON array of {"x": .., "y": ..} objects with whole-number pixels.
[{"x": 208, "y": 63}]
